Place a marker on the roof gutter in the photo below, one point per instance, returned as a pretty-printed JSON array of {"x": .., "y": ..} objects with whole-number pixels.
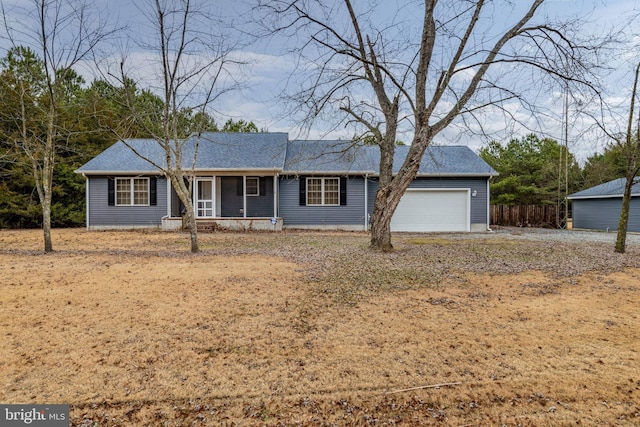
[
  {"x": 377, "y": 174},
  {"x": 100, "y": 172},
  {"x": 322, "y": 173},
  {"x": 186, "y": 172},
  {"x": 604, "y": 196},
  {"x": 452, "y": 174}
]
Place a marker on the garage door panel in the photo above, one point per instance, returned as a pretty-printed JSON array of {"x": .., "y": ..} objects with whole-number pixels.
[{"x": 429, "y": 210}]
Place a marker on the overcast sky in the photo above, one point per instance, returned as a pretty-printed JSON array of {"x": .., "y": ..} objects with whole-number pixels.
[{"x": 268, "y": 69}]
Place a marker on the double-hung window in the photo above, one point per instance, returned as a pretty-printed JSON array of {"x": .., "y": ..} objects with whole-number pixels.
[
  {"x": 323, "y": 191},
  {"x": 132, "y": 191},
  {"x": 253, "y": 186}
]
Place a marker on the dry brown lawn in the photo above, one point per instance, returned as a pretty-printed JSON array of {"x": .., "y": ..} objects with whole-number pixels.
[{"x": 314, "y": 329}]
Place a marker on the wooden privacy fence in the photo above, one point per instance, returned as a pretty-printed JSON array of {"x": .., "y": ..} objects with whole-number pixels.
[{"x": 526, "y": 216}]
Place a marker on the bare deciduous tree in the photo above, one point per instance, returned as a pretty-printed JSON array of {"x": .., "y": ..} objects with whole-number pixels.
[
  {"x": 62, "y": 33},
  {"x": 631, "y": 150},
  {"x": 191, "y": 55},
  {"x": 426, "y": 64}
]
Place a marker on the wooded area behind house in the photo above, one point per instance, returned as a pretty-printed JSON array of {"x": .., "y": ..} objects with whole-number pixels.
[
  {"x": 52, "y": 121},
  {"x": 87, "y": 117},
  {"x": 531, "y": 169}
]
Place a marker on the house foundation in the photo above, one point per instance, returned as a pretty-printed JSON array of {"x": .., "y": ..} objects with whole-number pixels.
[{"x": 235, "y": 224}]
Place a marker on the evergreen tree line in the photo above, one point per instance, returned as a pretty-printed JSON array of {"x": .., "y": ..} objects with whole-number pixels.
[
  {"x": 540, "y": 171},
  {"x": 533, "y": 171},
  {"x": 89, "y": 119}
]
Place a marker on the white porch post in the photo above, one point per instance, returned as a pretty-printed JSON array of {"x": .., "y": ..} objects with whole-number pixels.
[
  {"x": 168, "y": 181},
  {"x": 194, "y": 195},
  {"x": 214, "y": 195},
  {"x": 275, "y": 196}
]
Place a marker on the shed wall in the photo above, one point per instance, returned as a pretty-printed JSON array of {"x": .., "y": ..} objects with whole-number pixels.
[{"x": 603, "y": 214}]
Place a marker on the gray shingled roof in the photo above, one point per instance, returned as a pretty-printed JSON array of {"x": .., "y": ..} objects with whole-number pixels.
[
  {"x": 273, "y": 151},
  {"x": 344, "y": 157},
  {"x": 241, "y": 151},
  {"x": 216, "y": 151},
  {"x": 120, "y": 158},
  {"x": 613, "y": 188},
  {"x": 447, "y": 160},
  {"x": 341, "y": 157}
]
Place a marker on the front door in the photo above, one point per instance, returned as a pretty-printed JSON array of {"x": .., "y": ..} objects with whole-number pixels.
[{"x": 204, "y": 198}]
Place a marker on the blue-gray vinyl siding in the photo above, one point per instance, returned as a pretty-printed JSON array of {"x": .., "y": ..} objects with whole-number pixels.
[
  {"x": 262, "y": 205},
  {"x": 354, "y": 211},
  {"x": 479, "y": 205},
  {"x": 604, "y": 214},
  {"x": 232, "y": 200},
  {"x": 294, "y": 214},
  {"x": 103, "y": 215}
]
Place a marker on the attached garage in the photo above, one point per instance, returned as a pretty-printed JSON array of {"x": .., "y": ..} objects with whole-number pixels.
[{"x": 424, "y": 210}]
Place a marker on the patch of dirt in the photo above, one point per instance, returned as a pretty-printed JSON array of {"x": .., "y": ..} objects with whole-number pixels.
[{"x": 314, "y": 329}]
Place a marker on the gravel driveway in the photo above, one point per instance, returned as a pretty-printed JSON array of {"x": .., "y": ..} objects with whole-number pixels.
[{"x": 544, "y": 234}]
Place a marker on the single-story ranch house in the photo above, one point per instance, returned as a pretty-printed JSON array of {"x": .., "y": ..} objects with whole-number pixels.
[
  {"x": 265, "y": 181},
  {"x": 598, "y": 208}
]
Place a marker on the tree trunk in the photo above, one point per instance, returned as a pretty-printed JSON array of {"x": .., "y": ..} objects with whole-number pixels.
[
  {"x": 47, "y": 179},
  {"x": 621, "y": 240},
  {"x": 381, "y": 221},
  {"x": 46, "y": 223},
  {"x": 382, "y": 212},
  {"x": 193, "y": 227},
  {"x": 391, "y": 189},
  {"x": 632, "y": 162},
  {"x": 44, "y": 188},
  {"x": 177, "y": 180}
]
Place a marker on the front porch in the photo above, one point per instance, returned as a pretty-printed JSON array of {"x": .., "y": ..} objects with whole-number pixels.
[{"x": 229, "y": 202}]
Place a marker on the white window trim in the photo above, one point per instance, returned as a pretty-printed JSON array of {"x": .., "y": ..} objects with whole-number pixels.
[
  {"x": 322, "y": 189},
  {"x": 132, "y": 180},
  {"x": 257, "y": 179}
]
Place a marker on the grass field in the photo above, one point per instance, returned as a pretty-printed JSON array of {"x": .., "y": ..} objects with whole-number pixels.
[{"x": 310, "y": 328}]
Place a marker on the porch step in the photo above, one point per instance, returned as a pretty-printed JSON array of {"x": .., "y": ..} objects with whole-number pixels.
[{"x": 206, "y": 226}]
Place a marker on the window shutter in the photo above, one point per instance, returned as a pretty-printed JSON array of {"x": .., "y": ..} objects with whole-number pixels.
[
  {"x": 240, "y": 183},
  {"x": 262, "y": 181},
  {"x": 303, "y": 190},
  {"x": 343, "y": 191},
  {"x": 111, "y": 191},
  {"x": 153, "y": 198}
]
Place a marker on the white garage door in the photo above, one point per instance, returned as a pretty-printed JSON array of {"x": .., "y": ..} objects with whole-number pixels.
[{"x": 432, "y": 210}]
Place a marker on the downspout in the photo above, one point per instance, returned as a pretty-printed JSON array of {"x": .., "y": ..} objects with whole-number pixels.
[
  {"x": 489, "y": 206},
  {"x": 86, "y": 197},
  {"x": 366, "y": 202},
  {"x": 275, "y": 195}
]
